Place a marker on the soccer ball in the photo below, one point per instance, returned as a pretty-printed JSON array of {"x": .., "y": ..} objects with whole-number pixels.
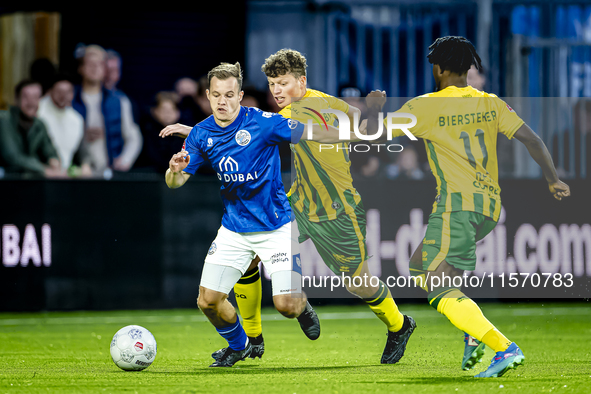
[{"x": 133, "y": 348}]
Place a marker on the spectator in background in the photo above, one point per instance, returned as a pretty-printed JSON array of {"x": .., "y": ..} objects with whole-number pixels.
[
  {"x": 404, "y": 165},
  {"x": 476, "y": 78},
  {"x": 249, "y": 101},
  {"x": 65, "y": 125},
  {"x": 157, "y": 151},
  {"x": 25, "y": 146},
  {"x": 111, "y": 138},
  {"x": 202, "y": 100},
  {"x": 112, "y": 78},
  {"x": 187, "y": 90}
]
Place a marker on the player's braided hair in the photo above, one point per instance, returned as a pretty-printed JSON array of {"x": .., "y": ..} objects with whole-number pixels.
[
  {"x": 285, "y": 61},
  {"x": 454, "y": 53},
  {"x": 225, "y": 71}
]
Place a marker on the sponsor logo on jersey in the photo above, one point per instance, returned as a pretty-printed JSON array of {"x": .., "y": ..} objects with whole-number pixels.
[
  {"x": 242, "y": 137},
  {"x": 509, "y": 108},
  {"x": 279, "y": 258},
  {"x": 228, "y": 164},
  {"x": 212, "y": 249},
  {"x": 267, "y": 114},
  {"x": 292, "y": 123}
]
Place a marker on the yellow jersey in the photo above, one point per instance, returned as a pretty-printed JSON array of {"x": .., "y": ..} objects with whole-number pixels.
[
  {"x": 323, "y": 187},
  {"x": 459, "y": 127}
]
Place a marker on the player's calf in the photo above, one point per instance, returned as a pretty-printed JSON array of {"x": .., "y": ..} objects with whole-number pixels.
[
  {"x": 215, "y": 307},
  {"x": 289, "y": 305}
]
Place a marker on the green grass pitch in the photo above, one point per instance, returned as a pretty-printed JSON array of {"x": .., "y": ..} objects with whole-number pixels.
[{"x": 69, "y": 352}]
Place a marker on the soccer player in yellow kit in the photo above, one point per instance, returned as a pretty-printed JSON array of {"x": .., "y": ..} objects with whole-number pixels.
[
  {"x": 327, "y": 208},
  {"x": 459, "y": 125}
]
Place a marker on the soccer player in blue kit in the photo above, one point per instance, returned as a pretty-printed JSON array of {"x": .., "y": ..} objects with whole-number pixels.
[{"x": 241, "y": 144}]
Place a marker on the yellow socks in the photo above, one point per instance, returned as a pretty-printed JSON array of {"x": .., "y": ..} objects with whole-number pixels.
[
  {"x": 383, "y": 305},
  {"x": 249, "y": 294},
  {"x": 496, "y": 341},
  {"x": 465, "y": 314}
]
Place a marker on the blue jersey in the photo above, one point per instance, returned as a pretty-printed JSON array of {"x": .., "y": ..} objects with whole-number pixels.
[{"x": 245, "y": 156}]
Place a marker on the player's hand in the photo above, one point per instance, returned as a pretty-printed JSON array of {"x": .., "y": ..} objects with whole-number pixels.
[
  {"x": 177, "y": 129},
  {"x": 376, "y": 99},
  {"x": 179, "y": 161},
  {"x": 559, "y": 190}
]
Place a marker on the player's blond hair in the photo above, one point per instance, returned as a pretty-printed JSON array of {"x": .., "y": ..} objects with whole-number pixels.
[
  {"x": 285, "y": 61},
  {"x": 225, "y": 71}
]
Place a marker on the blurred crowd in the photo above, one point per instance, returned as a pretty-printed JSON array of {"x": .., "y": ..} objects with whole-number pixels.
[{"x": 84, "y": 126}]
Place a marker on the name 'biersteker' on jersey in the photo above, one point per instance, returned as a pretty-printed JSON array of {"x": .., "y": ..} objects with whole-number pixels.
[{"x": 245, "y": 156}]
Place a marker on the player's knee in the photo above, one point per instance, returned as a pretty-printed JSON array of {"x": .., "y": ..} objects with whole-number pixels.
[
  {"x": 362, "y": 291},
  {"x": 289, "y": 307},
  {"x": 207, "y": 304}
]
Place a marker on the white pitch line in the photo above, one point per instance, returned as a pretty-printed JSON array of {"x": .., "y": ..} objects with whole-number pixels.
[{"x": 49, "y": 320}]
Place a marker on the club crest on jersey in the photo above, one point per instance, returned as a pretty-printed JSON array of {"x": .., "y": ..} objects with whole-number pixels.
[
  {"x": 242, "y": 137},
  {"x": 210, "y": 142}
]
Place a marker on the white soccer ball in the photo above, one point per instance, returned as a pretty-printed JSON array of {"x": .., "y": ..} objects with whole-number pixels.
[{"x": 133, "y": 348}]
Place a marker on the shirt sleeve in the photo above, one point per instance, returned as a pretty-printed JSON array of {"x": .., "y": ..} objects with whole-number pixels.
[
  {"x": 196, "y": 155},
  {"x": 338, "y": 104},
  {"x": 283, "y": 129},
  {"x": 410, "y": 107},
  {"x": 509, "y": 121}
]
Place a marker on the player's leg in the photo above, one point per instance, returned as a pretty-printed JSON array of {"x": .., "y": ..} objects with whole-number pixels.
[
  {"x": 279, "y": 252},
  {"x": 341, "y": 244},
  {"x": 216, "y": 283},
  {"x": 228, "y": 257},
  {"x": 378, "y": 298},
  {"x": 249, "y": 294},
  {"x": 448, "y": 249}
]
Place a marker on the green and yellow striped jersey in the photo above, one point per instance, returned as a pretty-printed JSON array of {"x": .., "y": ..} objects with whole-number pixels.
[
  {"x": 323, "y": 187},
  {"x": 459, "y": 127}
]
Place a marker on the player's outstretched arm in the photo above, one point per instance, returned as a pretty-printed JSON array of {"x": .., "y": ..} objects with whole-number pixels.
[
  {"x": 175, "y": 177},
  {"x": 539, "y": 152},
  {"x": 375, "y": 101},
  {"x": 177, "y": 129},
  {"x": 331, "y": 134}
]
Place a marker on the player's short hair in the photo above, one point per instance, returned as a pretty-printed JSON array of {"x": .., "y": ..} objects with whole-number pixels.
[
  {"x": 285, "y": 61},
  {"x": 225, "y": 71},
  {"x": 454, "y": 53}
]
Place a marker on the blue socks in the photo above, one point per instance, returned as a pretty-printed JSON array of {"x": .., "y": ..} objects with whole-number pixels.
[{"x": 235, "y": 335}]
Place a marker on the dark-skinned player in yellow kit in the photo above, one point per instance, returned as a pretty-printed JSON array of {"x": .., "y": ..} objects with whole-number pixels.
[{"x": 459, "y": 125}]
